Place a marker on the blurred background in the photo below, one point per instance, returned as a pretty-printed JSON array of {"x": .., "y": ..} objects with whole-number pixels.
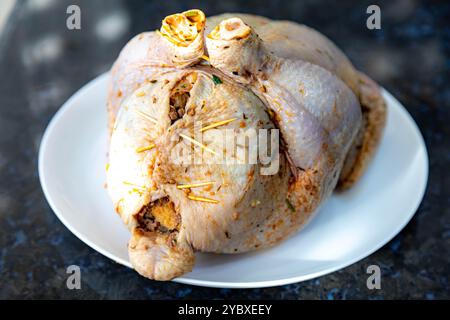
[{"x": 42, "y": 64}]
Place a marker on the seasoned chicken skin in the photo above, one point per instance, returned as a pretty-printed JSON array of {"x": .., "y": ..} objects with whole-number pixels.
[{"x": 179, "y": 96}]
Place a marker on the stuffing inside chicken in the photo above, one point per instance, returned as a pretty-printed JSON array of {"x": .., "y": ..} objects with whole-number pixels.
[{"x": 180, "y": 96}]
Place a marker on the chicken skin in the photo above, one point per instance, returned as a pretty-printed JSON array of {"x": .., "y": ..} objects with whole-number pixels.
[{"x": 227, "y": 133}]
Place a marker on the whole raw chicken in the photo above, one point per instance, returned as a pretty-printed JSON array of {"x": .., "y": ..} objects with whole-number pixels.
[{"x": 174, "y": 93}]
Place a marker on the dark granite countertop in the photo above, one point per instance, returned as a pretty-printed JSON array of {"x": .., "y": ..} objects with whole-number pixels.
[{"x": 42, "y": 64}]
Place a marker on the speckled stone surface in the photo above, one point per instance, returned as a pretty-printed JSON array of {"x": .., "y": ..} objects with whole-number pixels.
[{"x": 42, "y": 64}]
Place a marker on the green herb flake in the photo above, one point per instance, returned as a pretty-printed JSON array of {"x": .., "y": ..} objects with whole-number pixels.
[
  {"x": 290, "y": 206},
  {"x": 216, "y": 79}
]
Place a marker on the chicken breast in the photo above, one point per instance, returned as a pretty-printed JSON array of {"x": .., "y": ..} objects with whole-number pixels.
[
  {"x": 290, "y": 40},
  {"x": 230, "y": 142}
]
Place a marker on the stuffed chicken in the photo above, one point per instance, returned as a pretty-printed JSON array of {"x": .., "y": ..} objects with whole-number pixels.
[{"x": 189, "y": 104}]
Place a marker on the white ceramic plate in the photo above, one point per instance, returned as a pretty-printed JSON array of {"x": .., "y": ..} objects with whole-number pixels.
[{"x": 349, "y": 226}]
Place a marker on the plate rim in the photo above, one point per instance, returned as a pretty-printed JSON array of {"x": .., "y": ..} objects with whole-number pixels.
[{"x": 221, "y": 284}]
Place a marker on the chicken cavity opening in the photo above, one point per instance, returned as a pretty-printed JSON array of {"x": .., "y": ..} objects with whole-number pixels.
[
  {"x": 159, "y": 216},
  {"x": 230, "y": 29},
  {"x": 183, "y": 28},
  {"x": 179, "y": 97}
]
